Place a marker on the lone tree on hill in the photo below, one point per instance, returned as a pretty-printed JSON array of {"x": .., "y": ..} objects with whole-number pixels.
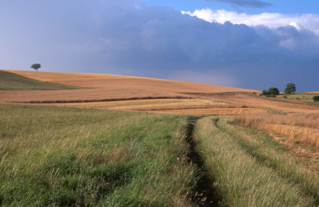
[
  {"x": 290, "y": 88},
  {"x": 36, "y": 66}
]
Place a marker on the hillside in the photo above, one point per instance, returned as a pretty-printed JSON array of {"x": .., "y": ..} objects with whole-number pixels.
[
  {"x": 107, "y": 87},
  {"x": 10, "y": 81}
]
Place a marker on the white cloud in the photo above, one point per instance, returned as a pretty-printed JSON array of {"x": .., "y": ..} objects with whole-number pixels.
[{"x": 272, "y": 20}]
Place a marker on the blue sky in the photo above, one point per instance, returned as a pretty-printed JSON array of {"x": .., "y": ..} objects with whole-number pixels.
[{"x": 251, "y": 44}]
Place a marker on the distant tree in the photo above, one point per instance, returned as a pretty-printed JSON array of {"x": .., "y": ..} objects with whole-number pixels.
[
  {"x": 273, "y": 91},
  {"x": 315, "y": 98},
  {"x": 36, "y": 66},
  {"x": 290, "y": 88}
]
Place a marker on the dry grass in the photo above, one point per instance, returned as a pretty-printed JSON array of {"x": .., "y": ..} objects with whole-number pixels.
[
  {"x": 298, "y": 127},
  {"x": 210, "y": 111},
  {"x": 149, "y": 104},
  {"x": 167, "y": 106}
]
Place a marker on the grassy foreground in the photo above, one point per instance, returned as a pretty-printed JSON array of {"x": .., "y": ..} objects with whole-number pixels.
[
  {"x": 52, "y": 156},
  {"x": 247, "y": 172},
  {"x": 14, "y": 82}
]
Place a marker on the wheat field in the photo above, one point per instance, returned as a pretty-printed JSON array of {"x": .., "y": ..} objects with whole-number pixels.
[{"x": 298, "y": 127}]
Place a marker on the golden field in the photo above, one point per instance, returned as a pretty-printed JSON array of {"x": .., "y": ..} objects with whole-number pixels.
[
  {"x": 103, "y": 91},
  {"x": 299, "y": 127}
]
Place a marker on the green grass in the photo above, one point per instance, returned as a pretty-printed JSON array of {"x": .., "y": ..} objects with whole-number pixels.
[
  {"x": 14, "y": 82},
  {"x": 273, "y": 111},
  {"x": 249, "y": 173},
  {"x": 51, "y": 156},
  {"x": 300, "y": 96}
]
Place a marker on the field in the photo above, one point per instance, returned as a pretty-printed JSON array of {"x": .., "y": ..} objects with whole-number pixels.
[
  {"x": 133, "y": 141},
  {"x": 301, "y": 96},
  {"x": 83, "y": 157}
]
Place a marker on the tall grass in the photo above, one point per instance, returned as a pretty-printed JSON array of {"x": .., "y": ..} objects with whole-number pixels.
[
  {"x": 299, "y": 127},
  {"x": 240, "y": 178},
  {"x": 281, "y": 162},
  {"x": 52, "y": 156}
]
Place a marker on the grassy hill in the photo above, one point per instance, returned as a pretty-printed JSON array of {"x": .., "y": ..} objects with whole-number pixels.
[{"x": 14, "y": 82}]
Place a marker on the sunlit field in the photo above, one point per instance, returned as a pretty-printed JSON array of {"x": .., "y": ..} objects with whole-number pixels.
[{"x": 298, "y": 127}]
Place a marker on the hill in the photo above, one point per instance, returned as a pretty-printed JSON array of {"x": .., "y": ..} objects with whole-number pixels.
[
  {"x": 15, "y": 82},
  {"x": 107, "y": 87}
]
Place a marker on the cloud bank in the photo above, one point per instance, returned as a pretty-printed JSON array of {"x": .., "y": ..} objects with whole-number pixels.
[
  {"x": 245, "y": 3},
  {"x": 120, "y": 38},
  {"x": 272, "y": 20}
]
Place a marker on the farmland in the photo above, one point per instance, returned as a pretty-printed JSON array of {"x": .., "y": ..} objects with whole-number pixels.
[{"x": 127, "y": 141}]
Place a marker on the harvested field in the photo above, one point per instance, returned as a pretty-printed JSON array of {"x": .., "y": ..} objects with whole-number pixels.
[
  {"x": 118, "y": 81},
  {"x": 167, "y": 106},
  {"x": 142, "y": 104},
  {"x": 210, "y": 111},
  {"x": 290, "y": 106},
  {"x": 302, "y": 128},
  {"x": 105, "y": 88},
  {"x": 84, "y": 95},
  {"x": 146, "y": 105}
]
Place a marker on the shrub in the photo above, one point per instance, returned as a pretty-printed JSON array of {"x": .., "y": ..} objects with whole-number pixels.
[
  {"x": 315, "y": 98},
  {"x": 273, "y": 91},
  {"x": 264, "y": 93},
  {"x": 285, "y": 96}
]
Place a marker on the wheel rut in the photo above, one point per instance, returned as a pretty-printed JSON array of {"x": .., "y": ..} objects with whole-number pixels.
[{"x": 205, "y": 192}]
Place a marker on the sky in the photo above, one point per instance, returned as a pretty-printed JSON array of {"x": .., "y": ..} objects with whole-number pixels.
[{"x": 253, "y": 44}]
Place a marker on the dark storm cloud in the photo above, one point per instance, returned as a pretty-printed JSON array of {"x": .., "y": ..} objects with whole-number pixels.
[
  {"x": 160, "y": 42},
  {"x": 245, "y": 3}
]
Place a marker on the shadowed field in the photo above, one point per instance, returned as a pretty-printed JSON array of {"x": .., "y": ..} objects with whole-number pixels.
[{"x": 13, "y": 82}]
